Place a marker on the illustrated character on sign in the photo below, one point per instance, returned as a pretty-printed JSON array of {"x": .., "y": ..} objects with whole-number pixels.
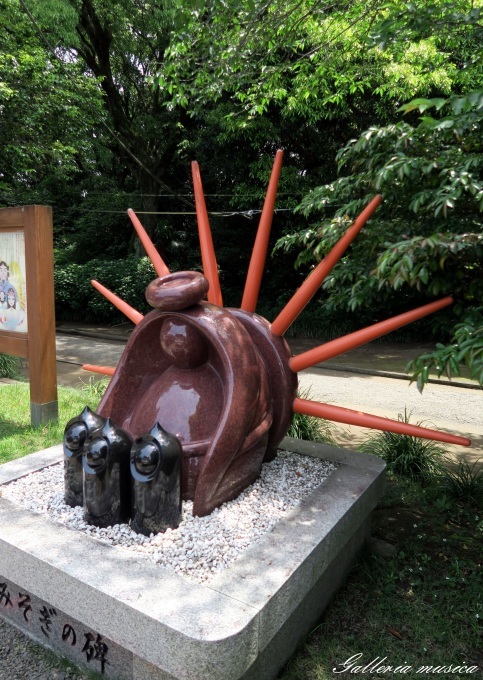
[
  {"x": 11, "y": 299},
  {"x": 5, "y": 284}
]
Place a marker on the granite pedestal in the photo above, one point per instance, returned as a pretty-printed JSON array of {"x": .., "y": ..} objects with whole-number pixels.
[{"x": 126, "y": 618}]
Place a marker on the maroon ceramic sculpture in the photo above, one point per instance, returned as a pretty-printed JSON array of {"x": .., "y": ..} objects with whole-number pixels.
[
  {"x": 223, "y": 380},
  {"x": 206, "y": 375}
]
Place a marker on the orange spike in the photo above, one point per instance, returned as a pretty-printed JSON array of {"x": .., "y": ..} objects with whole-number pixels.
[
  {"x": 152, "y": 253},
  {"x": 131, "y": 313},
  {"x": 341, "y": 345},
  {"x": 105, "y": 370},
  {"x": 210, "y": 268},
  {"x": 257, "y": 262},
  {"x": 350, "y": 417},
  {"x": 310, "y": 286}
]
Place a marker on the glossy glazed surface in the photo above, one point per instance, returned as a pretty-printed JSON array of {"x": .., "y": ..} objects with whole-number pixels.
[
  {"x": 283, "y": 382},
  {"x": 107, "y": 485},
  {"x": 76, "y": 433},
  {"x": 177, "y": 291},
  {"x": 199, "y": 374},
  {"x": 156, "y": 465}
]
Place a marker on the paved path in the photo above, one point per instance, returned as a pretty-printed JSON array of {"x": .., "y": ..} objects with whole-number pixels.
[{"x": 451, "y": 409}]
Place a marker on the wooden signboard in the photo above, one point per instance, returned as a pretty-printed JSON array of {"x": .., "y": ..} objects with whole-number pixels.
[{"x": 27, "y": 317}]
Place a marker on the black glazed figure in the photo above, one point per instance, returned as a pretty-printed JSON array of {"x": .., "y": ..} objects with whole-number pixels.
[
  {"x": 107, "y": 486},
  {"x": 156, "y": 464},
  {"x": 76, "y": 433}
]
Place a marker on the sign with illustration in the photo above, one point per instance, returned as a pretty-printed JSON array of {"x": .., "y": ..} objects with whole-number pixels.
[
  {"x": 13, "y": 294},
  {"x": 27, "y": 316}
]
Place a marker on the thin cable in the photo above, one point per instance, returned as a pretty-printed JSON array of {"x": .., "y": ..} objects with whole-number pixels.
[
  {"x": 244, "y": 213},
  {"x": 134, "y": 193}
]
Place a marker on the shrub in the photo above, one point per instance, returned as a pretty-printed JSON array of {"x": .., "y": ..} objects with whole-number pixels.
[
  {"x": 465, "y": 483},
  {"x": 9, "y": 366},
  {"x": 77, "y": 300},
  {"x": 419, "y": 459}
]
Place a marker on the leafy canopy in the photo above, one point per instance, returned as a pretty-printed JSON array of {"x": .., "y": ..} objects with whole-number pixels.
[
  {"x": 427, "y": 237},
  {"x": 305, "y": 57}
]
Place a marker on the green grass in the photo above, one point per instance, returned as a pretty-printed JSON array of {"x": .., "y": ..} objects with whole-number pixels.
[{"x": 17, "y": 436}]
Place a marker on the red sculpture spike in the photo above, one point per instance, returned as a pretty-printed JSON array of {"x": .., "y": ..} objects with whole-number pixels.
[
  {"x": 350, "y": 417},
  {"x": 210, "y": 268},
  {"x": 131, "y": 313},
  {"x": 152, "y": 253},
  {"x": 223, "y": 380},
  {"x": 104, "y": 370},
  {"x": 310, "y": 286},
  {"x": 257, "y": 262},
  {"x": 341, "y": 345}
]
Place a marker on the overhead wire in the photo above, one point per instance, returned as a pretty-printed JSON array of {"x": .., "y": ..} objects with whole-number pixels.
[
  {"x": 135, "y": 193},
  {"x": 243, "y": 213}
]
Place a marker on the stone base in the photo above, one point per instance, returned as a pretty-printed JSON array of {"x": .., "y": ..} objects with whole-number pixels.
[
  {"x": 128, "y": 619},
  {"x": 41, "y": 414}
]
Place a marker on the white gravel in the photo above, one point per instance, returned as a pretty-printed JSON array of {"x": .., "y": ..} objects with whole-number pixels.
[{"x": 201, "y": 546}]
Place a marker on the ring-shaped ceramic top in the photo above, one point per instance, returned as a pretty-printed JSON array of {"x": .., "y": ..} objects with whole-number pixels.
[{"x": 176, "y": 291}]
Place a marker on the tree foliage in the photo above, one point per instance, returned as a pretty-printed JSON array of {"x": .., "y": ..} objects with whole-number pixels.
[
  {"x": 117, "y": 45},
  {"x": 307, "y": 58},
  {"x": 428, "y": 237},
  {"x": 116, "y": 98},
  {"x": 47, "y": 112}
]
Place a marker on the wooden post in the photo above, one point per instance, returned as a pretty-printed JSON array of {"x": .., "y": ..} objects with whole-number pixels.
[{"x": 26, "y": 235}]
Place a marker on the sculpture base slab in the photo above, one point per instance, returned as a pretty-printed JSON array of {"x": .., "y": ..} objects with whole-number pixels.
[{"x": 128, "y": 619}]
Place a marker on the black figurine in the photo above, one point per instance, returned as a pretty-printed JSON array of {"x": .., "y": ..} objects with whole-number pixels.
[
  {"x": 76, "y": 434},
  {"x": 156, "y": 463},
  {"x": 107, "y": 485}
]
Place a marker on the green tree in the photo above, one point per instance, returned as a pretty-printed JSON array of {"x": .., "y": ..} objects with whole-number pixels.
[
  {"x": 305, "y": 57},
  {"x": 51, "y": 114},
  {"x": 224, "y": 82},
  {"x": 296, "y": 75},
  {"x": 427, "y": 238},
  {"x": 47, "y": 112},
  {"x": 116, "y": 46}
]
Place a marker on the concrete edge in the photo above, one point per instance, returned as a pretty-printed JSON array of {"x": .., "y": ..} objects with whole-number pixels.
[
  {"x": 230, "y": 619},
  {"x": 295, "y": 554},
  {"x": 396, "y": 375},
  {"x": 20, "y": 467},
  {"x": 116, "y": 337},
  {"x": 119, "y": 596},
  {"x": 334, "y": 454}
]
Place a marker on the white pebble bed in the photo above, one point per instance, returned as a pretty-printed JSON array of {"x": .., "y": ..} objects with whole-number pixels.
[{"x": 201, "y": 546}]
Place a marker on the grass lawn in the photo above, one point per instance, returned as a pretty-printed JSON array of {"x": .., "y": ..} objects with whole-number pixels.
[
  {"x": 421, "y": 607},
  {"x": 17, "y": 436}
]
